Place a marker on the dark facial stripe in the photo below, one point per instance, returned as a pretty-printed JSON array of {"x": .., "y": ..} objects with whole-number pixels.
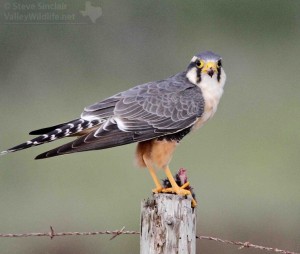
[
  {"x": 219, "y": 74},
  {"x": 192, "y": 65},
  {"x": 199, "y": 74}
]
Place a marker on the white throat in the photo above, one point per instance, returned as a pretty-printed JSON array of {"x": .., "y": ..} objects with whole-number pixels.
[
  {"x": 212, "y": 91},
  {"x": 211, "y": 87}
]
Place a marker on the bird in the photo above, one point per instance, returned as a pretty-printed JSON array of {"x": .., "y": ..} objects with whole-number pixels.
[{"x": 157, "y": 115}]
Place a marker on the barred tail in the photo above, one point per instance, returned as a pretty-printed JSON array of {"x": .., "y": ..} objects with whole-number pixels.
[{"x": 50, "y": 134}]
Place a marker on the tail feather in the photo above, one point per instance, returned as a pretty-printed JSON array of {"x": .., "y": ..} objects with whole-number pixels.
[
  {"x": 109, "y": 139},
  {"x": 55, "y": 132},
  {"x": 107, "y": 136},
  {"x": 46, "y": 130}
]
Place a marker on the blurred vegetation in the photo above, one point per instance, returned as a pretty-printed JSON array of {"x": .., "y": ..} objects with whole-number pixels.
[{"x": 244, "y": 164}]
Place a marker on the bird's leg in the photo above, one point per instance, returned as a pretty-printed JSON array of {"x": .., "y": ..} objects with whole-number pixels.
[
  {"x": 154, "y": 176},
  {"x": 175, "y": 188}
]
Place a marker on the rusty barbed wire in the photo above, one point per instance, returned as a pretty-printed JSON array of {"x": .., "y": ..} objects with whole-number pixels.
[
  {"x": 122, "y": 231},
  {"x": 53, "y": 234},
  {"x": 245, "y": 245}
]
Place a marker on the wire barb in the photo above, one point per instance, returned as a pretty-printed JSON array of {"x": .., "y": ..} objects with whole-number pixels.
[
  {"x": 51, "y": 233},
  {"x": 118, "y": 233}
]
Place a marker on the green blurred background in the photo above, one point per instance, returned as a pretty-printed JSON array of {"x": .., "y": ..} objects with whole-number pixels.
[{"x": 243, "y": 164}]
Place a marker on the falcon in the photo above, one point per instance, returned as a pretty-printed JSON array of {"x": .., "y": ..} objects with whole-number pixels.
[{"x": 157, "y": 115}]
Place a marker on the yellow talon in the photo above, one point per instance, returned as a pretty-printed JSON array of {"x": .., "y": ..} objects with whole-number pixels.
[
  {"x": 187, "y": 184},
  {"x": 175, "y": 188},
  {"x": 182, "y": 192},
  {"x": 167, "y": 190},
  {"x": 157, "y": 190}
]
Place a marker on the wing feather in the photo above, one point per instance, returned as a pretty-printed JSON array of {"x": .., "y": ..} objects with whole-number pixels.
[
  {"x": 141, "y": 113},
  {"x": 168, "y": 105}
]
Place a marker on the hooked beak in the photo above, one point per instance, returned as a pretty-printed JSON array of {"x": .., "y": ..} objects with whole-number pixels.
[{"x": 210, "y": 68}]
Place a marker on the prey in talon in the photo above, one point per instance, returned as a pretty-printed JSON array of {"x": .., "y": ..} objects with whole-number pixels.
[{"x": 182, "y": 181}]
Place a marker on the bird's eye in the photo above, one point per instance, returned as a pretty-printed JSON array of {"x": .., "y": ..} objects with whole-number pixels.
[
  {"x": 199, "y": 63},
  {"x": 219, "y": 63}
]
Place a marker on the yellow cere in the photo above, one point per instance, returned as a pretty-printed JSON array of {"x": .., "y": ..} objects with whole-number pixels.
[{"x": 209, "y": 65}]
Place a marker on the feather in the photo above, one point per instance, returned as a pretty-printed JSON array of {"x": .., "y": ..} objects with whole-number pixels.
[{"x": 144, "y": 112}]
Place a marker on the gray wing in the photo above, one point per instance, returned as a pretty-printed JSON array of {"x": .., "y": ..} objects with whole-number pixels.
[
  {"x": 164, "y": 106},
  {"x": 141, "y": 113}
]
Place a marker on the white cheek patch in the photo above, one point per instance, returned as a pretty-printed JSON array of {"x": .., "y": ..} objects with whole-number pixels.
[{"x": 192, "y": 75}]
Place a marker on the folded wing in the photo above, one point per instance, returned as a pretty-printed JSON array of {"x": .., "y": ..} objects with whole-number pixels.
[{"x": 144, "y": 112}]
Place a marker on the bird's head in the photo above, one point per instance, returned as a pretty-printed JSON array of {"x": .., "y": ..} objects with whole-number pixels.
[{"x": 206, "y": 65}]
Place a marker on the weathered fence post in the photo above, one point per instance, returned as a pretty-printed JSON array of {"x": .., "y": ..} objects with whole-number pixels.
[{"x": 168, "y": 225}]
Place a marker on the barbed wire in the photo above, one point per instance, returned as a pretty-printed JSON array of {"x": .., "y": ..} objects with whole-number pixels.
[
  {"x": 122, "y": 231},
  {"x": 53, "y": 234},
  {"x": 245, "y": 245}
]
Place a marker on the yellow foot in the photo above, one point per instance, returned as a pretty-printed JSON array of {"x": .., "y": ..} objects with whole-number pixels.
[
  {"x": 179, "y": 191},
  {"x": 187, "y": 184},
  {"x": 175, "y": 188},
  {"x": 157, "y": 190}
]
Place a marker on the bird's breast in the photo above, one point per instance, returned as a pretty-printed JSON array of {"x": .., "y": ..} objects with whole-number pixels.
[
  {"x": 212, "y": 92},
  {"x": 209, "y": 110}
]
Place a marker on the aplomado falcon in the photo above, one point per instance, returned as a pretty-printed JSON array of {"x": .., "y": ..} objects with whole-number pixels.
[{"x": 157, "y": 115}]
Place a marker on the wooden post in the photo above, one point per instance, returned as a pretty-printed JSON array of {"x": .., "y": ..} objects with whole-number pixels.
[{"x": 168, "y": 225}]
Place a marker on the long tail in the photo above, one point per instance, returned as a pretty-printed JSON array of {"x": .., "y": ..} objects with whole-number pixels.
[{"x": 50, "y": 134}]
